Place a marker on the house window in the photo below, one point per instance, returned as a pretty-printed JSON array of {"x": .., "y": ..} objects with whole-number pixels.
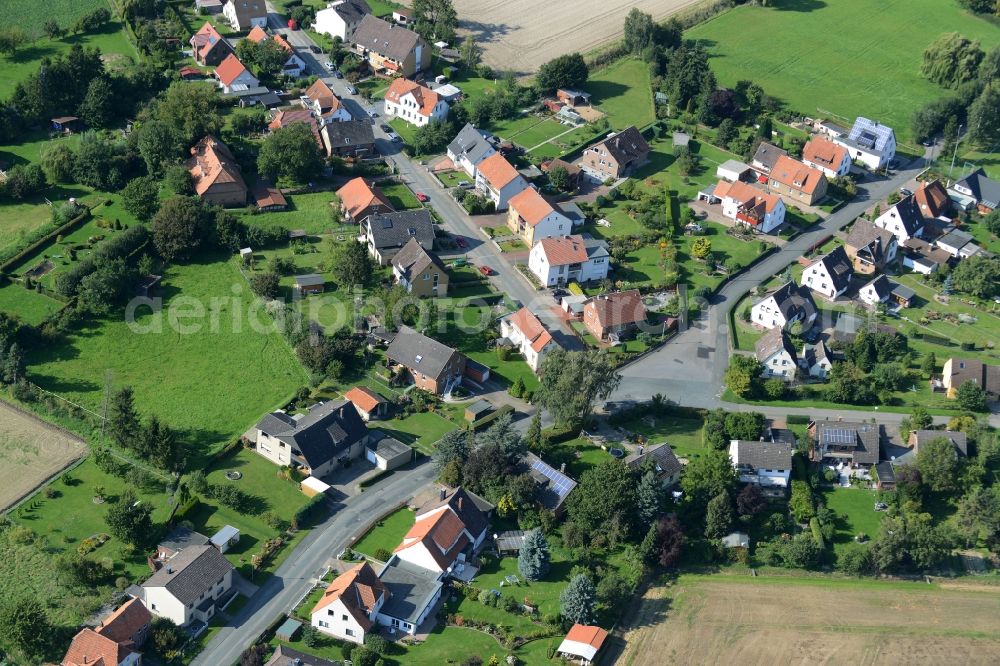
[
  {"x": 152, "y": 607},
  {"x": 344, "y": 618},
  {"x": 324, "y": 623},
  {"x": 349, "y": 632}
]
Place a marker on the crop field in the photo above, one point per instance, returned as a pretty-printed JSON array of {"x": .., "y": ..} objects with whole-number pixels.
[
  {"x": 30, "y": 452},
  {"x": 713, "y": 620},
  {"x": 847, "y": 58}
]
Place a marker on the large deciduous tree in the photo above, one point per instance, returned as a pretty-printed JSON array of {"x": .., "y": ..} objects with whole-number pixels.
[
  {"x": 291, "y": 153},
  {"x": 572, "y": 381},
  {"x": 952, "y": 60},
  {"x": 25, "y": 626},
  {"x": 640, "y": 31},
  {"x": 743, "y": 374},
  {"x": 129, "y": 519},
  {"x": 141, "y": 197},
  {"x": 719, "y": 516},
  {"x": 605, "y": 496},
  {"x": 565, "y": 71},
  {"x": 435, "y": 20},
  {"x": 351, "y": 264},
  {"x": 707, "y": 476},
  {"x": 180, "y": 228}
]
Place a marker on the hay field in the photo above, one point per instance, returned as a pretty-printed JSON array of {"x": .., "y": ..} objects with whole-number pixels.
[
  {"x": 520, "y": 35},
  {"x": 30, "y": 452},
  {"x": 728, "y": 620}
]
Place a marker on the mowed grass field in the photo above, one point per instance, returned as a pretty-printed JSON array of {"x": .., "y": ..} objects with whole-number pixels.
[
  {"x": 849, "y": 57},
  {"x": 725, "y": 620},
  {"x": 622, "y": 92},
  {"x": 211, "y": 375},
  {"x": 30, "y": 452}
]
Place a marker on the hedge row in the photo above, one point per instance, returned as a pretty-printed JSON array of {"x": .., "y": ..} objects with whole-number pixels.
[
  {"x": 43, "y": 240},
  {"x": 490, "y": 418},
  {"x": 117, "y": 247}
]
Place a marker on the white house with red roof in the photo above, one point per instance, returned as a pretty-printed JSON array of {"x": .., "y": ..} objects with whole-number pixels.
[
  {"x": 529, "y": 335},
  {"x": 370, "y": 405},
  {"x": 208, "y": 46},
  {"x": 747, "y": 205},
  {"x": 582, "y": 643},
  {"x": 414, "y": 103},
  {"x": 829, "y": 157},
  {"x": 559, "y": 261},
  {"x": 233, "y": 76},
  {"x": 437, "y": 542},
  {"x": 498, "y": 181},
  {"x": 295, "y": 65},
  {"x": 325, "y": 105},
  {"x": 349, "y": 607}
]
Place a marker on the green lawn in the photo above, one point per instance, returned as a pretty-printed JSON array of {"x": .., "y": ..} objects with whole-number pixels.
[
  {"x": 211, "y": 383},
  {"x": 453, "y": 178},
  {"x": 404, "y": 129},
  {"x": 31, "y": 306},
  {"x": 387, "y": 533},
  {"x": 682, "y": 434},
  {"x": 622, "y": 91},
  {"x": 399, "y": 195},
  {"x": 310, "y": 212},
  {"x": 579, "y": 454},
  {"x": 855, "y": 513},
  {"x": 420, "y": 430},
  {"x": 846, "y": 58}
]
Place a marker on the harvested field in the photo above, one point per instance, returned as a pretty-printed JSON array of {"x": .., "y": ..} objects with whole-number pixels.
[
  {"x": 520, "y": 35},
  {"x": 722, "y": 620},
  {"x": 30, "y": 452}
]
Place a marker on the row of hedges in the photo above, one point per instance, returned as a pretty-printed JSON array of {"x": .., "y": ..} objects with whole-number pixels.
[
  {"x": 490, "y": 418},
  {"x": 120, "y": 246},
  {"x": 45, "y": 238}
]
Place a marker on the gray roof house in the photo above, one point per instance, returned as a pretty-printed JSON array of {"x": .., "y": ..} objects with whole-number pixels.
[
  {"x": 432, "y": 364},
  {"x": 766, "y": 156},
  {"x": 387, "y": 233},
  {"x": 765, "y": 464},
  {"x": 349, "y": 138},
  {"x": 413, "y": 591},
  {"x": 830, "y": 275},
  {"x": 188, "y": 585},
  {"x": 177, "y": 540},
  {"x": 662, "y": 458},
  {"x": 785, "y": 305},
  {"x": 845, "y": 441},
  {"x": 286, "y": 656},
  {"x": 330, "y": 433},
  {"x": 470, "y": 147},
  {"x": 554, "y": 486},
  {"x": 980, "y": 187},
  {"x": 777, "y": 354},
  {"x": 956, "y": 437}
]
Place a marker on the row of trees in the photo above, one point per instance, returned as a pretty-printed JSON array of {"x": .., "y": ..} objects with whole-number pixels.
[{"x": 152, "y": 441}]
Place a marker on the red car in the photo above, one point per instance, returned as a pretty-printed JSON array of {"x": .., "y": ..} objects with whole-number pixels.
[
  {"x": 422, "y": 198},
  {"x": 486, "y": 270},
  {"x": 460, "y": 241}
]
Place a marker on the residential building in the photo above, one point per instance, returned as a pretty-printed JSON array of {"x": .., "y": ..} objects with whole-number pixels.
[
  {"x": 370, "y": 405},
  {"x": 957, "y": 371},
  {"x": 661, "y": 459},
  {"x": 432, "y": 365},
  {"x": 471, "y": 509},
  {"x": 980, "y": 188},
  {"x": 245, "y": 14},
  {"x": 437, "y": 542},
  {"x": 420, "y": 272},
  {"x": 387, "y": 233},
  {"x": 498, "y": 180},
  {"x": 903, "y": 219},
  {"x": 869, "y": 142},
  {"x": 349, "y": 139},
  {"x": 390, "y": 49},
  {"x": 233, "y": 77},
  {"x": 310, "y": 283},
  {"x": 733, "y": 170},
  {"x": 189, "y": 586},
  {"x": 414, "y": 103},
  {"x": 958, "y": 244},
  {"x": 114, "y": 642},
  {"x": 529, "y": 336},
  {"x": 294, "y": 66},
  {"x": 349, "y": 607},
  {"x": 414, "y": 593},
  {"x": 870, "y": 248},
  {"x": 552, "y": 486},
  {"x": 747, "y": 205},
  {"x": 617, "y": 156},
  {"x": 774, "y": 350},
  {"x": 830, "y": 275},
  {"x": 922, "y": 257},
  {"x": 574, "y": 171},
  {"x": 358, "y": 200},
  {"x": 830, "y": 128},
  {"x": 816, "y": 360},
  {"x": 215, "y": 174},
  {"x": 794, "y": 179},
  {"x": 387, "y": 453},
  {"x": 209, "y": 47},
  {"x": 286, "y": 656},
  {"x": 877, "y": 291},
  {"x": 178, "y": 539},
  {"x": 582, "y": 644},
  {"x": 533, "y": 218},
  {"x": 764, "y": 464},
  {"x": 611, "y": 316},
  {"x": 958, "y": 440},
  {"x": 325, "y": 104},
  {"x": 786, "y": 305},
  {"x": 470, "y": 147},
  {"x": 829, "y": 157},
  {"x": 766, "y": 156},
  {"x": 559, "y": 261},
  {"x": 287, "y": 117},
  {"x": 933, "y": 201},
  {"x": 329, "y": 435},
  {"x": 341, "y": 18},
  {"x": 850, "y": 442}
]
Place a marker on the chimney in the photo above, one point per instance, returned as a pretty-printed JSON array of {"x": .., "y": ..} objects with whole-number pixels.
[
  {"x": 170, "y": 569},
  {"x": 641, "y": 449},
  {"x": 562, "y": 468},
  {"x": 442, "y": 494},
  {"x": 460, "y": 503}
]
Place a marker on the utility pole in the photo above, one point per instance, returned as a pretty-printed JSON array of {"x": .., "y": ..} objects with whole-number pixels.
[{"x": 954, "y": 152}]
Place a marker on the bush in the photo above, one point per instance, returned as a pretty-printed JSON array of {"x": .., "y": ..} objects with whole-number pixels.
[
  {"x": 382, "y": 554},
  {"x": 801, "y": 502}
]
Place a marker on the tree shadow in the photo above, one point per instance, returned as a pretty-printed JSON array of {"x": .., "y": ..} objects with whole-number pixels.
[
  {"x": 485, "y": 32},
  {"x": 797, "y": 5}
]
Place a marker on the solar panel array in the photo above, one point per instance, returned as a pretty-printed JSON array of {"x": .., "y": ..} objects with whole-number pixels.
[
  {"x": 558, "y": 482},
  {"x": 842, "y": 436}
]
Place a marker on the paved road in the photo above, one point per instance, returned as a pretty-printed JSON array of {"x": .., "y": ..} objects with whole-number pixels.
[{"x": 297, "y": 574}]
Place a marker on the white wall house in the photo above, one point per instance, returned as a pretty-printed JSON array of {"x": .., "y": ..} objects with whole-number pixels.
[
  {"x": 414, "y": 103},
  {"x": 245, "y": 14},
  {"x": 529, "y": 335},
  {"x": 830, "y": 275},
  {"x": 188, "y": 585},
  {"x": 829, "y": 157},
  {"x": 498, "y": 181},
  {"x": 777, "y": 355},
  {"x": 747, "y": 205},
  {"x": 815, "y": 360},
  {"x": 870, "y": 143},
  {"x": 469, "y": 147},
  {"x": 559, "y": 261},
  {"x": 785, "y": 306},
  {"x": 343, "y": 612},
  {"x": 766, "y": 464},
  {"x": 341, "y": 18},
  {"x": 876, "y": 291},
  {"x": 437, "y": 542},
  {"x": 904, "y": 220}
]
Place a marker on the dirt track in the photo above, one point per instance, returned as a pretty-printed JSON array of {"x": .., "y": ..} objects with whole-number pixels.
[
  {"x": 720, "y": 621},
  {"x": 30, "y": 452},
  {"x": 520, "y": 35}
]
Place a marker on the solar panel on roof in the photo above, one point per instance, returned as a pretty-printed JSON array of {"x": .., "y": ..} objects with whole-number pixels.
[{"x": 559, "y": 483}]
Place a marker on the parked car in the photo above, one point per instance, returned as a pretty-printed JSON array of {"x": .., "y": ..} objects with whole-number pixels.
[
  {"x": 328, "y": 65},
  {"x": 487, "y": 271},
  {"x": 906, "y": 192},
  {"x": 422, "y": 198},
  {"x": 559, "y": 293},
  {"x": 393, "y": 137},
  {"x": 465, "y": 185},
  {"x": 315, "y": 49},
  {"x": 337, "y": 74},
  {"x": 385, "y": 128},
  {"x": 352, "y": 90},
  {"x": 373, "y": 113},
  {"x": 461, "y": 241}
]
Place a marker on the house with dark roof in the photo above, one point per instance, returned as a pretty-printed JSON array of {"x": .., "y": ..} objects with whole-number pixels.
[
  {"x": 114, "y": 642},
  {"x": 766, "y": 157},
  {"x": 661, "y": 459},
  {"x": 877, "y": 291},
  {"x": 420, "y": 272},
  {"x": 617, "y": 156},
  {"x": 470, "y": 147},
  {"x": 980, "y": 188},
  {"x": 190, "y": 586},
  {"x": 764, "y": 464},
  {"x": 209, "y": 47},
  {"x": 959, "y": 244},
  {"x": 870, "y": 143},
  {"x": 432, "y": 365},
  {"x": 245, "y": 14},
  {"x": 922, "y": 257},
  {"x": 611, "y": 316},
  {"x": 414, "y": 593},
  {"x": 958, "y": 439},
  {"x": 958, "y": 371},
  {"x": 348, "y": 139},
  {"x": 341, "y": 18},
  {"x": 177, "y": 540},
  {"x": 870, "y": 248},
  {"x": 852, "y": 442},
  {"x": 387, "y": 233},
  {"x": 830, "y": 275},
  {"x": 786, "y": 305},
  {"x": 330, "y": 434},
  {"x": 774, "y": 351},
  {"x": 310, "y": 283},
  {"x": 387, "y": 453},
  {"x": 816, "y": 360},
  {"x": 389, "y": 48},
  {"x": 286, "y": 656},
  {"x": 904, "y": 220},
  {"x": 552, "y": 486}
]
